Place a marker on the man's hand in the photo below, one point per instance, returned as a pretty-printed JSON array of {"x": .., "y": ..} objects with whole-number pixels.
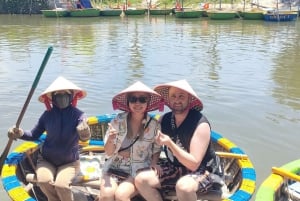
[{"x": 161, "y": 138}]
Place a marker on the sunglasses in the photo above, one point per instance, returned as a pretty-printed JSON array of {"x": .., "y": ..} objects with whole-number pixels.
[{"x": 133, "y": 99}]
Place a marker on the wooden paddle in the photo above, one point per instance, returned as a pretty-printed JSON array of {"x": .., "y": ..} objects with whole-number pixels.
[
  {"x": 285, "y": 173},
  {"x": 35, "y": 83}
]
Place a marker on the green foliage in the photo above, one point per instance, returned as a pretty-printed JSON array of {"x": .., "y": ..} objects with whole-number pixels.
[{"x": 22, "y": 6}]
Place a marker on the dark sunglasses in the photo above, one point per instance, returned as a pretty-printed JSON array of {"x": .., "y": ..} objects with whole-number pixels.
[{"x": 133, "y": 99}]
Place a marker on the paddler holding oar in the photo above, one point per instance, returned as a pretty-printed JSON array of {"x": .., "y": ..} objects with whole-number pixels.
[{"x": 65, "y": 124}]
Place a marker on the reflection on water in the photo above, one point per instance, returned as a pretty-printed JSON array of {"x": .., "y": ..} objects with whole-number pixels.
[{"x": 246, "y": 72}]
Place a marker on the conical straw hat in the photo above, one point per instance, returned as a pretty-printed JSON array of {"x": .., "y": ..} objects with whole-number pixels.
[
  {"x": 163, "y": 90},
  {"x": 61, "y": 84},
  {"x": 120, "y": 102}
]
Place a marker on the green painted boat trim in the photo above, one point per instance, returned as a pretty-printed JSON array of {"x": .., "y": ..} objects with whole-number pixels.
[
  {"x": 221, "y": 15},
  {"x": 251, "y": 15},
  {"x": 135, "y": 11},
  {"x": 160, "y": 11},
  {"x": 189, "y": 14},
  {"x": 111, "y": 12},
  {"x": 55, "y": 13},
  {"x": 87, "y": 12}
]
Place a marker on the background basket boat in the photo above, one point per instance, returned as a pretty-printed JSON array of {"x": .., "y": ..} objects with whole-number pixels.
[
  {"x": 221, "y": 14},
  {"x": 252, "y": 14},
  {"x": 186, "y": 13},
  {"x": 280, "y": 16},
  {"x": 59, "y": 12},
  {"x": 18, "y": 171},
  {"x": 110, "y": 12},
  {"x": 160, "y": 11},
  {"x": 282, "y": 184},
  {"x": 86, "y": 12},
  {"x": 135, "y": 11}
]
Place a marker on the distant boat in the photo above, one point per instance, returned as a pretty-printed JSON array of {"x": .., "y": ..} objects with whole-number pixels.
[
  {"x": 84, "y": 8},
  {"x": 252, "y": 14},
  {"x": 221, "y": 14},
  {"x": 185, "y": 12},
  {"x": 188, "y": 13},
  {"x": 58, "y": 12},
  {"x": 111, "y": 12},
  {"x": 135, "y": 11},
  {"x": 128, "y": 9},
  {"x": 85, "y": 12},
  {"x": 280, "y": 15},
  {"x": 160, "y": 11}
]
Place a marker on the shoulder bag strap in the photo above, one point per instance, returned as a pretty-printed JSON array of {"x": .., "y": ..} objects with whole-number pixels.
[{"x": 122, "y": 149}]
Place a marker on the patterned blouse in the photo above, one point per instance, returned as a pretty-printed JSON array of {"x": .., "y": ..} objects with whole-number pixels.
[{"x": 140, "y": 152}]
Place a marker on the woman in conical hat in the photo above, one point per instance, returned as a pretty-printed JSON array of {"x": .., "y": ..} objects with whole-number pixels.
[
  {"x": 129, "y": 141},
  {"x": 61, "y": 85},
  {"x": 58, "y": 161}
]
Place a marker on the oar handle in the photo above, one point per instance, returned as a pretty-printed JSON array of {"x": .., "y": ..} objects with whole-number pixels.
[
  {"x": 34, "y": 84},
  {"x": 231, "y": 155},
  {"x": 285, "y": 173}
]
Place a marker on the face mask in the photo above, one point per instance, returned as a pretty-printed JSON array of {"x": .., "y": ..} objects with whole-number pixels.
[{"x": 62, "y": 100}]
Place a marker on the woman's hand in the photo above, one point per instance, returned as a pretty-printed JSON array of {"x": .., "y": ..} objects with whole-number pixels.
[
  {"x": 112, "y": 134},
  {"x": 157, "y": 169}
]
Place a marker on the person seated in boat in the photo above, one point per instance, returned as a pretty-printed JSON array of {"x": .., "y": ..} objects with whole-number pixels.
[
  {"x": 129, "y": 141},
  {"x": 64, "y": 124},
  {"x": 191, "y": 164},
  {"x": 79, "y": 5}
]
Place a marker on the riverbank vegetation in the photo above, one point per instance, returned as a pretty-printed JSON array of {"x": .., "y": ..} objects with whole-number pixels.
[{"x": 35, "y": 6}]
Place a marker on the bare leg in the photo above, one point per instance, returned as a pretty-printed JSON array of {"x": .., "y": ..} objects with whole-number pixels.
[
  {"x": 186, "y": 188},
  {"x": 126, "y": 190},
  {"x": 108, "y": 188},
  {"x": 147, "y": 183}
]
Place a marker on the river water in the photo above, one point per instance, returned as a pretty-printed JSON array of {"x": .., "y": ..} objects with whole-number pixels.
[{"x": 246, "y": 72}]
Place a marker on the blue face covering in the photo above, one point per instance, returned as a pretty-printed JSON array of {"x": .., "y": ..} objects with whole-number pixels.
[{"x": 62, "y": 100}]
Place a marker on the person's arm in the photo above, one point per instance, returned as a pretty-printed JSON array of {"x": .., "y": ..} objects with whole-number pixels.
[
  {"x": 36, "y": 131},
  {"x": 156, "y": 149},
  {"x": 198, "y": 147}
]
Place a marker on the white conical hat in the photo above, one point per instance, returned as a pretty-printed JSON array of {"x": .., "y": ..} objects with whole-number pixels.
[
  {"x": 120, "y": 100},
  {"x": 61, "y": 84},
  {"x": 163, "y": 90}
]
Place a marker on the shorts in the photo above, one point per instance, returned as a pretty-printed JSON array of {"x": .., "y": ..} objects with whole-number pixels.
[{"x": 171, "y": 174}]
